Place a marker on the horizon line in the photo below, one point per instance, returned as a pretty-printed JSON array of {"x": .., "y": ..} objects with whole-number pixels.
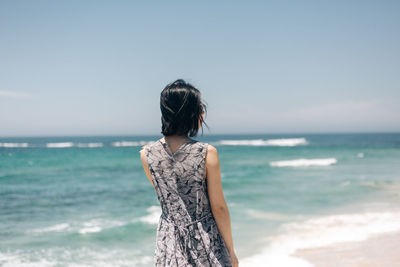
[{"x": 199, "y": 136}]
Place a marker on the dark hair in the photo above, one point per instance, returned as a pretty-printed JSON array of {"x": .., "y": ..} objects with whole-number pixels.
[{"x": 181, "y": 109}]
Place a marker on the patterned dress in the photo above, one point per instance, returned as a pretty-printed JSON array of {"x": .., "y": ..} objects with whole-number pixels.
[{"x": 187, "y": 234}]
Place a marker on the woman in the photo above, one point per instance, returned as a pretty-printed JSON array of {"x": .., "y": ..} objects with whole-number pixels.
[{"x": 194, "y": 228}]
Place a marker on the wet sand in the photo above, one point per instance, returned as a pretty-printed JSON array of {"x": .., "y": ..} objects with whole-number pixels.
[{"x": 382, "y": 250}]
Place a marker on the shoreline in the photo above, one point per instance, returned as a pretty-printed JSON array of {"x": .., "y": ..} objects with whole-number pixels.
[{"x": 378, "y": 250}]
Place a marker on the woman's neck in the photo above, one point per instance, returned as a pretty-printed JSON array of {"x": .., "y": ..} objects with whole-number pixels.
[{"x": 176, "y": 137}]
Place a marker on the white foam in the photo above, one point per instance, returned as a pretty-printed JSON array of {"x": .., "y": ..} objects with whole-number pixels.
[
  {"x": 97, "y": 225},
  {"x": 60, "y": 145},
  {"x": 274, "y": 216},
  {"x": 131, "y": 143},
  {"x": 90, "y": 229},
  {"x": 90, "y": 145},
  {"x": 125, "y": 143},
  {"x": 322, "y": 231},
  {"x": 12, "y": 145},
  {"x": 360, "y": 155},
  {"x": 18, "y": 259},
  {"x": 92, "y": 226},
  {"x": 55, "y": 228},
  {"x": 268, "y": 142},
  {"x": 78, "y": 256},
  {"x": 303, "y": 162},
  {"x": 153, "y": 216}
]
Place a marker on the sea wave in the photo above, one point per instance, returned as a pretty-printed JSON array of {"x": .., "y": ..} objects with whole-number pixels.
[
  {"x": 97, "y": 225},
  {"x": 273, "y": 216},
  {"x": 19, "y": 259},
  {"x": 153, "y": 217},
  {"x": 92, "y": 226},
  {"x": 322, "y": 231},
  {"x": 54, "y": 228},
  {"x": 267, "y": 142},
  {"x": 51, "y": 145},
  {"x": 60, "y": 145},
  {"x": 303, "y": 162},
  {"x": 12, "y": 145},
  {"x": 83, "y": 256},
  {"x": 393, "y": 187},
  {"x": 130, "y": 143},
  {"x": 90, "y": 145}
]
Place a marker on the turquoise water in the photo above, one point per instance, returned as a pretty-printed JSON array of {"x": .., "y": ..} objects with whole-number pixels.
[{"x": 85, "y": 201}]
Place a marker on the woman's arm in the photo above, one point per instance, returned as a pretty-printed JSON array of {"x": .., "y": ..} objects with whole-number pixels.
[
  {"x": 145, "y": 165},
  {"x": 217, "y": 200}
]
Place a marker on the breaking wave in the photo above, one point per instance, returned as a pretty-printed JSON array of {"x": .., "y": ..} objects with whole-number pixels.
[
  {"x": 153, "y": 216},
  {"x": 60, "y": 145},
  {"x": 303, "y": 162},
  {"x": 90, "y": 145},
  {"x": 131, "y": 143},
  {"x": 322, "y": 231},
  {"x": 268, "y": 142},
  {"x": 12, "y": 145}
]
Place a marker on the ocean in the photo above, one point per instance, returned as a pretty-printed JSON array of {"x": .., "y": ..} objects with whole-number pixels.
[{"x": 85, "y": 201}]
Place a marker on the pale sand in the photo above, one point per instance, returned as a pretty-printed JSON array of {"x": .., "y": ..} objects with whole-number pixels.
[{"x": 382, "y": 250}]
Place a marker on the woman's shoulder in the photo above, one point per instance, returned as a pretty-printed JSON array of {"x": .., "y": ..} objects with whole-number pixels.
[
  {"x": 207, "y": 145},
  {"x": 208, "y": 149},
  {"x": 211, "y": 149},
  {"x": 203, "y": 144},
  {"x": 149, "y": 145}
]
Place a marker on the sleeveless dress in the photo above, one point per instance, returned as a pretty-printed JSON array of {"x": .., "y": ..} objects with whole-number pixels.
[{"x": 187, "y": 234}]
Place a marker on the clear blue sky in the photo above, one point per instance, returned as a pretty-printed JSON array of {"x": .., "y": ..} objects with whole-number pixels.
[{"x": 98, "y": 67}]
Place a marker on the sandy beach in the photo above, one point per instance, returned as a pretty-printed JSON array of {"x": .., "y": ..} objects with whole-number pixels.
[{"x": 378, "y": 251}]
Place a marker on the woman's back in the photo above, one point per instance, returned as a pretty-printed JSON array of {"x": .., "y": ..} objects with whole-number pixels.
[{"x": 187, "y": 234}]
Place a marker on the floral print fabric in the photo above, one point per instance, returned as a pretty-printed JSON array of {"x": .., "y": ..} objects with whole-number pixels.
[{"x": 187, "y": 234}]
